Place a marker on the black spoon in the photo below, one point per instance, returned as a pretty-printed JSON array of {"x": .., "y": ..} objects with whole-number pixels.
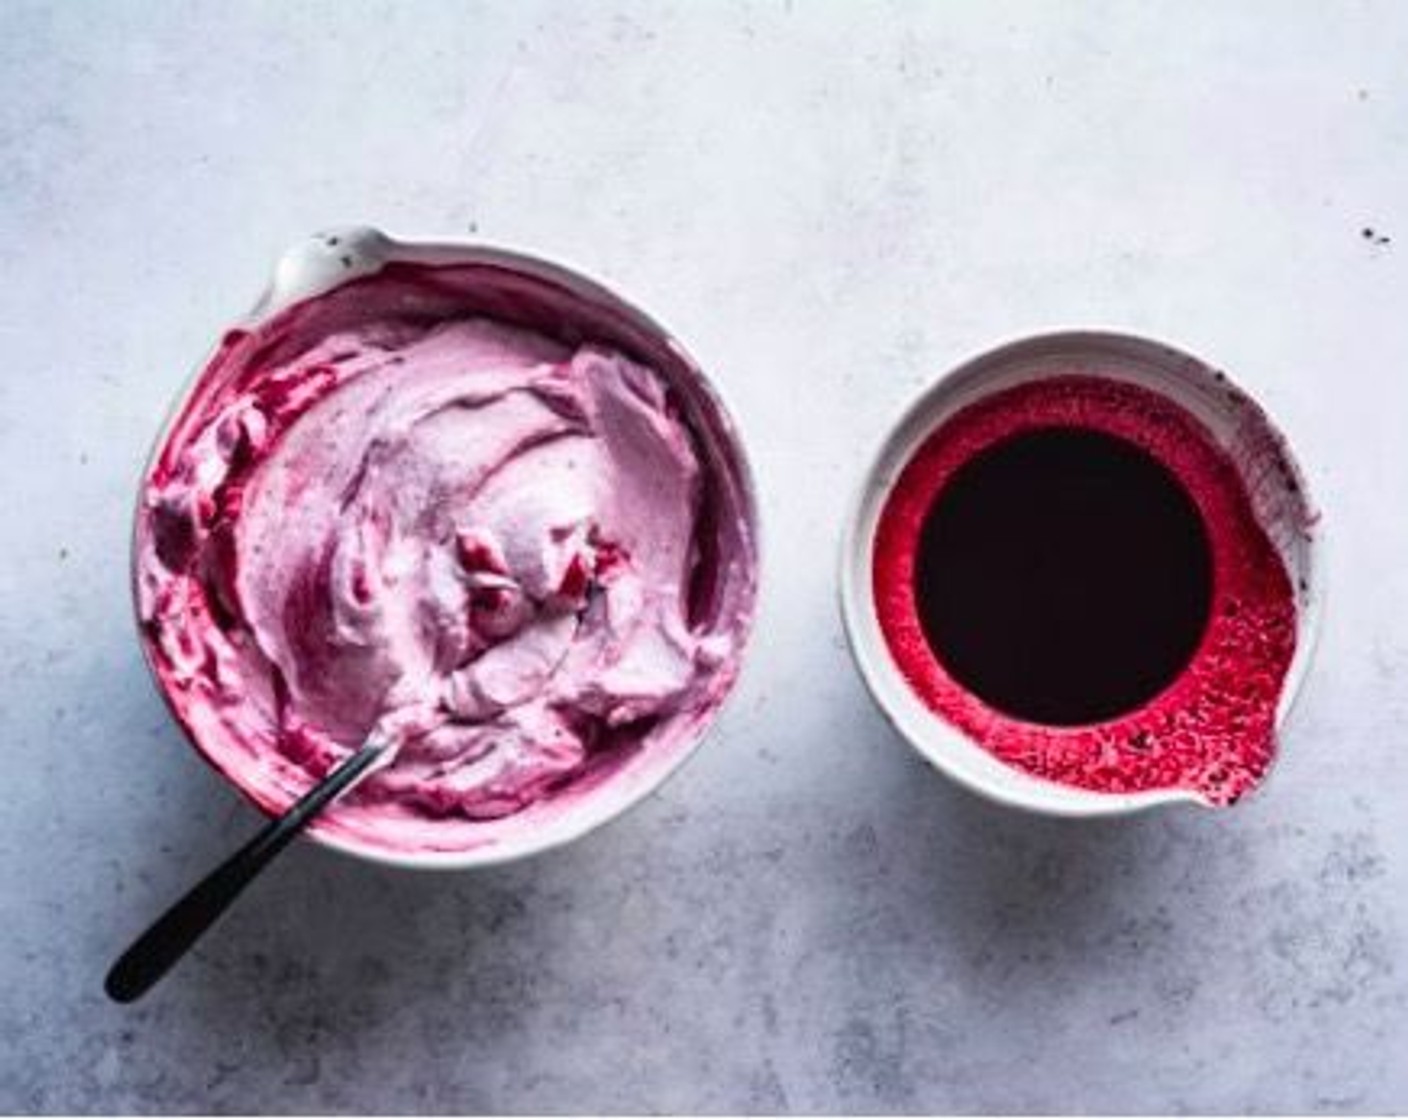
[{"x": 165, "y": 942}]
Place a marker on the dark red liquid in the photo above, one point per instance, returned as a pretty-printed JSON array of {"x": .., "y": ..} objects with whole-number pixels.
[
  {"x": 1063, "y": 576},
  {"x": 1071, "y": 573}
]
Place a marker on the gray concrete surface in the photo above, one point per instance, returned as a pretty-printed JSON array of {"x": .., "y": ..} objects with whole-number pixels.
[{"x": 831, "y": 203}]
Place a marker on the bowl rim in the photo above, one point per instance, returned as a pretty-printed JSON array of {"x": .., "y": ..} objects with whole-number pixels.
[
  {"x": 301, "y": 273},
  {"x": 933, "y": 738}
]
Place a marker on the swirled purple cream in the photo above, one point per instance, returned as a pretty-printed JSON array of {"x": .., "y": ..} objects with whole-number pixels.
[{"x": 502, "y": 550}]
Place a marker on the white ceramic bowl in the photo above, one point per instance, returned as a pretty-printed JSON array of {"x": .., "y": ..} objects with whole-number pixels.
[
  {"x": 1275, "y": 483},
  {"x": 563, "y": 304}
]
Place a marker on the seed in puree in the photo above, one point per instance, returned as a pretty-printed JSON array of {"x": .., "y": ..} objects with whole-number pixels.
[{"x": 482, "y": 541}]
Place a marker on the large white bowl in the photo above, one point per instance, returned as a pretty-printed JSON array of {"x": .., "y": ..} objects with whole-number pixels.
[
  {"x": 515, "y": 288},
  {"x": 1275, "y": 483}
]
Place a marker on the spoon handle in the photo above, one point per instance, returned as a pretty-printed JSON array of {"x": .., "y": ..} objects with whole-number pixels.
[{"x": 164, "y": 943}]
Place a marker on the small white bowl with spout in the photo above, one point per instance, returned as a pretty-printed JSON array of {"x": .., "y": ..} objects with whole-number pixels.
[{"x": 1275, "y": 484}]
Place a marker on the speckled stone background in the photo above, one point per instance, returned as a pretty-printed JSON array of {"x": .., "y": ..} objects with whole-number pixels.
[{"x": 831, "y": 203}]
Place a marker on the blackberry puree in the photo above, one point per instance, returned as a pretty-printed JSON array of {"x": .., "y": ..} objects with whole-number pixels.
[{"x": 1071, "y": 573}]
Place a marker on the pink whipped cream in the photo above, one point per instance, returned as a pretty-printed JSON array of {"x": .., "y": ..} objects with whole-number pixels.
[{"x": 497, "y": 548}]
